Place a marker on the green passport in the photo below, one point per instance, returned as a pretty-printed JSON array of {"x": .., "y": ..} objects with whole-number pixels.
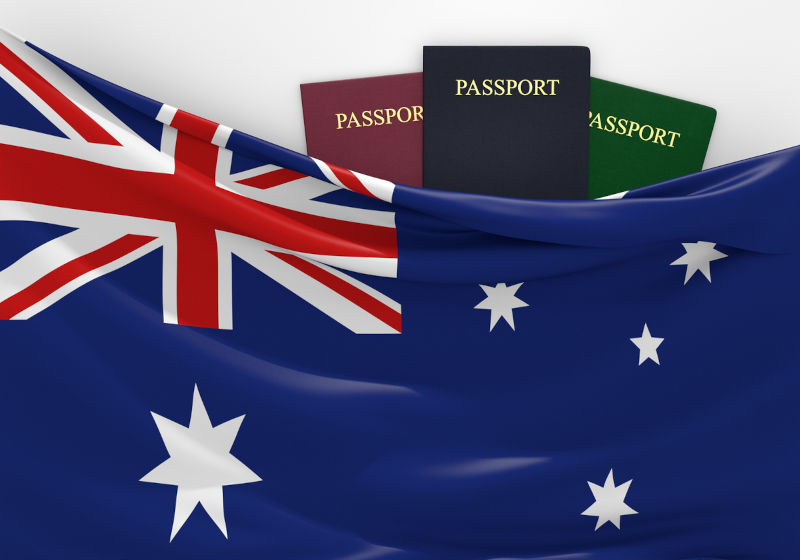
[{"x": 637, "y": 137}]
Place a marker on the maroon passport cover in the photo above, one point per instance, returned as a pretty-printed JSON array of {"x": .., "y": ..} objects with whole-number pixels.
[{"x": 370, "y": 125}]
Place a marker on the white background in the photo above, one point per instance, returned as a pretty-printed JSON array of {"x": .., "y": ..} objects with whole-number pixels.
[{"x": 240, "y": 62}]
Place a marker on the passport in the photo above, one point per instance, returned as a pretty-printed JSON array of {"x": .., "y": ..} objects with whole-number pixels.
[
  {"x": 371, "y": 125},
  {"x": 638, "y": 137},
  {"x": 507, "y": 121},
  {"x": 617, "y": 162}
]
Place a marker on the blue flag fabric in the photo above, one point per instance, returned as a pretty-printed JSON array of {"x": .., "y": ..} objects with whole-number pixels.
[{"x": 472, "y": 378}]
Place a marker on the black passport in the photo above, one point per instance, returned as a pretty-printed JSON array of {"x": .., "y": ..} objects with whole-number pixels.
[{"x": 507, "y": 121}]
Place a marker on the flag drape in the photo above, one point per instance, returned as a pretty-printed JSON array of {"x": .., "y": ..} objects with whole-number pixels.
[{"x": 220, "y": 348}]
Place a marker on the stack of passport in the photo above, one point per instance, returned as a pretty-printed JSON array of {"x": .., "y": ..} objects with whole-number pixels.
[{"x": 525, "y": 122}]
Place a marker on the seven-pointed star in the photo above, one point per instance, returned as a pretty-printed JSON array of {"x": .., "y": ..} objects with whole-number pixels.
[
  {"x": 501, "y": 300},
  {"x": 647, "y": 346},
  {"x": 609, "y": 501},
  {"x": 199, "y": 464},
  {"x": 698, "y": 257}
]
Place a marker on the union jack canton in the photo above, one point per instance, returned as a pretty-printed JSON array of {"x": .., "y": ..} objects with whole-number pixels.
[{"x": 127, "y": 197}]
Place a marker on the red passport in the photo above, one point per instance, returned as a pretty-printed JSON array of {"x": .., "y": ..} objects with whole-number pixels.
[{"x": 370, "y": 125}]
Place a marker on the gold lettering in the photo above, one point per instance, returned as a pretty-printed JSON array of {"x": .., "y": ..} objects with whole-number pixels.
[
  {"x": 512, "y": 84},
  {"x": 507, "y": 86},
  {"x": 378, "y": 117},
  {"x": 366, "y": 116},
  {"x": 642, "y": 138},
  {"x": 400, "y": 112},
  {"x": 645, "y": 132},
  {"x": 672, "y": 140}
]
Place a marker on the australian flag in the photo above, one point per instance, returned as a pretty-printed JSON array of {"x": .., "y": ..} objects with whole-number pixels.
[{"x": 214, "y": 347}]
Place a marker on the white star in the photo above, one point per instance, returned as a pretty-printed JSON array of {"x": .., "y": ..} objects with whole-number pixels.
[
  {"x": 502, "y": 302},
  {"x": 698, "y": 257},
  {"x": 647, "y": 346},
  {"x": 609, "y": 502},
  {"x": 199, "y": 464}
]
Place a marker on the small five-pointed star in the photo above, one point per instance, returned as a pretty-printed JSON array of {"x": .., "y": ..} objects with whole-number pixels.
[
  {"x": 501, "y": 301},
  {"x": 698, "y": 257},
  {"x": 199, "y": 464},
  {"x": 609, "y": 502},
  {"x": 647, "y": 346}
]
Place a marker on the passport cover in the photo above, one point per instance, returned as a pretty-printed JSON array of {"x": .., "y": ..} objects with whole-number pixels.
[
  {"x": 484, "y": 135},
  {"x": 346, "y": 124},
  {"x": 621, "y": 159}
]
